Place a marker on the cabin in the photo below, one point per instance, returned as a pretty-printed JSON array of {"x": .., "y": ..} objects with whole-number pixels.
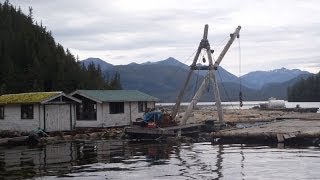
[
  {"x": 109, "y": 108},
  {"x": 50, "y": 111}
]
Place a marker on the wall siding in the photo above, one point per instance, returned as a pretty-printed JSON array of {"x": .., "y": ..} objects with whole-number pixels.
[
  {"x": 12, "y": 119},
  {"x": 105, "y": 119}
]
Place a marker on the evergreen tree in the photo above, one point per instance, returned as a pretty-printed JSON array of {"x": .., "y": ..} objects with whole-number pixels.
[
  {"x": 307, "y": 90},
  {"x": 31, "y": 60}
]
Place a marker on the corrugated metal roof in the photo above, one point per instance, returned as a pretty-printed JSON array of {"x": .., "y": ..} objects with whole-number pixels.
[
  {"x": 26, "y": 98},
  {"x": 116, "y": 95}
]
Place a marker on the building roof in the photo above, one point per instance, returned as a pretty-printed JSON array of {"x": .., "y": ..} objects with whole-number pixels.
[
  {"x": 26, "y": 98},
  {"x": 32, "y": 98},
  {"x": 115, "y": 95}
]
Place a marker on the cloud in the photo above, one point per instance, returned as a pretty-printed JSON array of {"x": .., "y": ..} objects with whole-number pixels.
[{"x": 274, "y": 33}]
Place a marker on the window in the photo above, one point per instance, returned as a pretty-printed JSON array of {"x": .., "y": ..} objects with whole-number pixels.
[
  {"x": 1, "y": 112},
  {"x": 27, "y": 111},
  {"x": 142, "y": 106},
  {"x": 116, "y": 107},
  {"x": 86, "y": 111}
]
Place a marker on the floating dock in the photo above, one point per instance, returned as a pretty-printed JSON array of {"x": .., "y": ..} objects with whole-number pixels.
[{"x": 291, "y": 131}]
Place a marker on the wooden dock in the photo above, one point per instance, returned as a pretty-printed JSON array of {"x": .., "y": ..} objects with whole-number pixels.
[{"x": 295, "y": 131}]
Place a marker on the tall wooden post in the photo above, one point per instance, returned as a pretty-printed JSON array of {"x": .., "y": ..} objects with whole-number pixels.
[
  {"x": 192, "y": 68},
  {"x": 195, "y": 99}
]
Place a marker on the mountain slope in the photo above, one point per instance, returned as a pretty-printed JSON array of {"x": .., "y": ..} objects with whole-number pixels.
[
  {"x": 165, "y": 78},
  {"x": 280, "y": 90},
  {"x": 103, "y": 64},
  {"x": 258, "y": 79}
]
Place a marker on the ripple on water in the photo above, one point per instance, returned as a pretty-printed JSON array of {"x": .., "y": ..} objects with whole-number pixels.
[{"x": 124, "y": 160}]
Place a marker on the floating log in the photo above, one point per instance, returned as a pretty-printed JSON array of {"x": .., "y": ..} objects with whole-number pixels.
[{"x": 22, "y": 140}]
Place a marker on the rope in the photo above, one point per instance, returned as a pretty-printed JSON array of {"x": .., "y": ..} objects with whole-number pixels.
[
  {"x": 240, "y": 83},
  {"x": 229, "y": 100},
  {"x": 220, "y": 46}
]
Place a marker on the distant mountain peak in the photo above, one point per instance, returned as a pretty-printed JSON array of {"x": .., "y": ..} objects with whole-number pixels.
[
  {"x": 169, "y": 61},
  {"x": 133, "y": 63},
  {"x": 257, "y": 79},
  {"x": 97, "y": 61}
]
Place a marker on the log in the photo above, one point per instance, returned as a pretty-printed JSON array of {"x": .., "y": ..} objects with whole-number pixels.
[
  {"x": 18, "y": 140},
  {"x": 280, "y": 138},
  {"x": 286, "y": 136},
  {"x": 3, "y": 141}
]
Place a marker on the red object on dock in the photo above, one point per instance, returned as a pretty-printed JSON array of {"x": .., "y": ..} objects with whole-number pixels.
[{"x": 151, "y": 125}]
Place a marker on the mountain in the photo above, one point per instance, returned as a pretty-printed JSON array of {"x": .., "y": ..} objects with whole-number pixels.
[
  {"x": 172, "y": 62},
  {"x": 103, "y": 64},
  {"x": 165, "y": 78},
  {"x": 305, "y": 90},
  {"x": 160, "y": 80},
  {"x": 280, "y": 90},
  {"x": 258, "y": 79}
]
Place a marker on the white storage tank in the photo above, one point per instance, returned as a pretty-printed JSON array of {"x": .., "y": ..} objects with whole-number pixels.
[{"x": 273, "y": 103}]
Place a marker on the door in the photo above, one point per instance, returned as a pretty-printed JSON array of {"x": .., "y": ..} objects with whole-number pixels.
[{"x": 58, "y": 117}]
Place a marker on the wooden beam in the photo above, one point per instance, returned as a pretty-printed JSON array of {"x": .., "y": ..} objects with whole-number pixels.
[
  {"x": 195, "y": 99},
  {"x": 226, "y": 48},
  {"x": 180, "y": 96},
  {"x": 214, "y": 81}
]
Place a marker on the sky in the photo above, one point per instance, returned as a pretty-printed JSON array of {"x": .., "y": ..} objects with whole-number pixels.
[{"x": 274, "y": 33}]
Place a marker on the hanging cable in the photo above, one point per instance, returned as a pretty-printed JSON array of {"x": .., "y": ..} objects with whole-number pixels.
[
  {"x": 228, "y": 97},
  {"x": 240, "y": 83}
]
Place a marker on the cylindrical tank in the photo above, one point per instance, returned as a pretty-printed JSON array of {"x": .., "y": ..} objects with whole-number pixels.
[{"x": 276, "y": 104}]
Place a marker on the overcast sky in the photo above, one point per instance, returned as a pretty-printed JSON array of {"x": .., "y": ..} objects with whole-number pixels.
[{"x": 274, "y": 33}]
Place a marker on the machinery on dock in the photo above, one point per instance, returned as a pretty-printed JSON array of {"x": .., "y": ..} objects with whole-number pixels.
[
  {"x": 211, "y": 76},
  {"x": 158, "y": 124}
]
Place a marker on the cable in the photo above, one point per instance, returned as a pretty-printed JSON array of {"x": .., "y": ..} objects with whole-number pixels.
[
  {"x": 219, "y": 47},
  {"x": 229, "y": 100},
  {"x": 240, "y": 83}
]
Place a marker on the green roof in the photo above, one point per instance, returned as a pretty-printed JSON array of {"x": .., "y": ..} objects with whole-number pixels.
[
  {"x": 26, "y": 98},
  {"x": 116, "y": 95}
]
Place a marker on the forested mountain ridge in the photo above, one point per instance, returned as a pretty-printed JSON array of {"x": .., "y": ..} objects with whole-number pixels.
[
  {"x": 307, "y": 90},
  {"x": 258, "y": 79},
  {"x": 31, "y": 60},
  {"x": 164, "y": 79}
]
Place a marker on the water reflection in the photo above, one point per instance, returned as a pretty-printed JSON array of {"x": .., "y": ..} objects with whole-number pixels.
[
  {"x": 124, "y": 160},
  {"x": 219, "y": 161}
]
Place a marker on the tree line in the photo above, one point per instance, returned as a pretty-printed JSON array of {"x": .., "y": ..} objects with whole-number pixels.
[
  {"x": 31, "y": 60},
  {"x": 307, "y": 90}
]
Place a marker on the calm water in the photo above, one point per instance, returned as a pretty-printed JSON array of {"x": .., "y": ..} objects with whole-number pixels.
[{"x": 124, "y": 160}]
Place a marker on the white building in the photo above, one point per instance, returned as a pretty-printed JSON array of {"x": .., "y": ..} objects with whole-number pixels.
[
  {"x": 50, "y": 111},
  {"x": 107, "y": 108}
]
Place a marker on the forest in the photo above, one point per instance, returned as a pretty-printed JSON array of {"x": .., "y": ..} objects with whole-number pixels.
[
  {"x": 305, "y": 90},
  {"x": 31, "y": 60}
]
